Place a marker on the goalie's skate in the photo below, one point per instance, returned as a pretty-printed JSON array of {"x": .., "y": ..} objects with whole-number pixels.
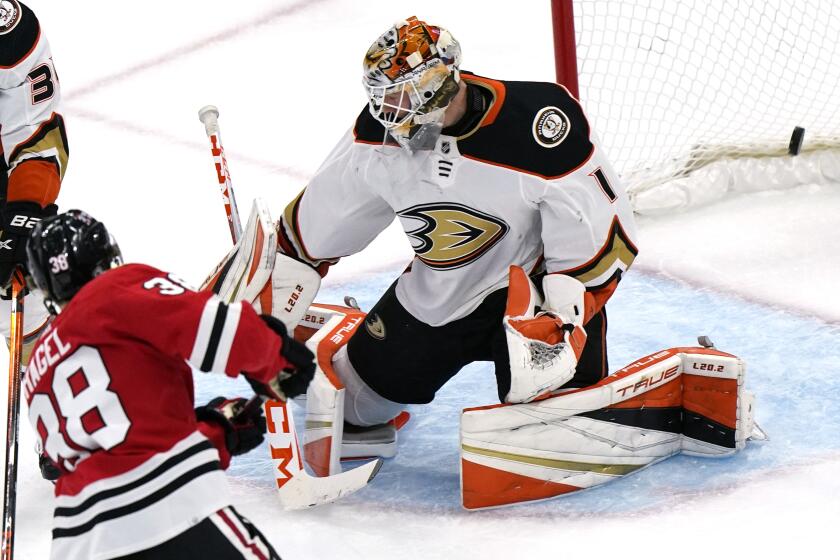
[{"x": 365, "y": 442}]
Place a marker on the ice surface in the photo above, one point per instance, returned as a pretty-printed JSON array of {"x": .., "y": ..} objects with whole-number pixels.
[{"x": 756, "y": 273}]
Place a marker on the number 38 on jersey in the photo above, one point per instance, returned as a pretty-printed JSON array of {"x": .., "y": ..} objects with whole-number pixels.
[{"x": 83, "y": 414}]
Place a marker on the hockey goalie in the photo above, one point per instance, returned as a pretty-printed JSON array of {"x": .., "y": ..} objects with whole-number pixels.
[
  {"x": 548, "y": 437},
  {"x": 522, "y": 232}
]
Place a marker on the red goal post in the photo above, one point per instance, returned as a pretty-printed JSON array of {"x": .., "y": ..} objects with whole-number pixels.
[{"x": 693, "y": 100}]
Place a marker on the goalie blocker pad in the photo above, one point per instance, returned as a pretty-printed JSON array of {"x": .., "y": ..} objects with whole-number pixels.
[
  {"x": 254, "y": 271},
  {"x": 681, "y": 400}
]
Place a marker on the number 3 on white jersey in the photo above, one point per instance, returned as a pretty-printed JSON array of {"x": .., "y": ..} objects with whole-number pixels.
[{"x": 94, "y": 403}]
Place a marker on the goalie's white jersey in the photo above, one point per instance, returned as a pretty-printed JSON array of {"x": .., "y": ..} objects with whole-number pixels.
[{"x": 527, "y": 186}]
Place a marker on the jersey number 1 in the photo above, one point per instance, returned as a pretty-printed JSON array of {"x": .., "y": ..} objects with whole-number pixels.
[
  {"x": 601, "y": 178},
  {"x": 87, "y": 415}
]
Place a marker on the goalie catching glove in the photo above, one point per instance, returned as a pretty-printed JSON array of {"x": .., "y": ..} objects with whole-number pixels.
[
  {"x": 545, "y": 338},
  {"x": 295, "y": 378}
]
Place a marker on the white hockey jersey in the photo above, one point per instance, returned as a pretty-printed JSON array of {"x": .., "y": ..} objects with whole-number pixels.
[
  {"x": 33, "y": 142},
  {"x": 527, "y": 186}
]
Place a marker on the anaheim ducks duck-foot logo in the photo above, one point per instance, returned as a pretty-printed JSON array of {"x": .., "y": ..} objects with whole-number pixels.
[
  {"x": 375, "y": 326},
  {"x": 452, "y": 235}
]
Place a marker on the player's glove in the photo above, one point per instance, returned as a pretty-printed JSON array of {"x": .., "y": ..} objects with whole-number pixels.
[
  {"x": 17, "y": 220},
  {"x": 295, "y": 377},
  {"x": 244, "y": 426},
  {"x": 49, "y": 470}
]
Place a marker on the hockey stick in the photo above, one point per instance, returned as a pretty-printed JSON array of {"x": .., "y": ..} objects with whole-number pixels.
[
  {"x": 209, "y": 116},
  {"x": 296, "y": 488},
  {"x": 13, "y": 415}
]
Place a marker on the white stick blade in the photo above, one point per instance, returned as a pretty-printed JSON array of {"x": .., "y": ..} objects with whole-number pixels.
[{"x": 304, "y": 491}]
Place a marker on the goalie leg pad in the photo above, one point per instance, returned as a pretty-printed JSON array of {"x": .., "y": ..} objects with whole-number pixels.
[
  {"x": 325, "y": 394},
  {"x": 688, "y": 400},
  {"x": 337, "y": 393}
]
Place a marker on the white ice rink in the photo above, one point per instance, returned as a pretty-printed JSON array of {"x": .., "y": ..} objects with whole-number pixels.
[{"x": 757, "y": 273}]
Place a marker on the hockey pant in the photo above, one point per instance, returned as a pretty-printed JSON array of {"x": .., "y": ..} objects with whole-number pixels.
[
  {"x": 225, "y": 535},
  {"x": 411, "y": 360}
]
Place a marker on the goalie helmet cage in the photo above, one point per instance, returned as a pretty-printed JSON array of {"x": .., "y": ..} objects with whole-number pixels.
[{"x": 694, "y": 99}]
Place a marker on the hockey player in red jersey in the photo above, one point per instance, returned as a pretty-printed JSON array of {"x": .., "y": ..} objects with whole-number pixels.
[
  {"x": 110, "y": 394},
  {"x": 483, "y": 175},
  {"x": 33, "y": 149}
]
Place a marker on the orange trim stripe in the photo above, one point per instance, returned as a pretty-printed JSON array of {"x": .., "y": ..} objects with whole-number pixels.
[
  {"x": 595, "y": 300},
  {"x": 500, "y": 91},
  {"x": 667, "y": 395},
  {"x": 519, "y": 292},
  {"x": 721, "y": 394},
  {"x": 317, "y": 455},
  {"x": 267, "y": 298},
  {"x": 327, "y": 348},
  {"x": 483, "y": 486},
  {"x": 255, "y": 257}
]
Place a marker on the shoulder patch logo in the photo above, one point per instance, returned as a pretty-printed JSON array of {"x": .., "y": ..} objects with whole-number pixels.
[
  {"x": 451, "y": 235},
  {"x": 551, "y": 126},
  {"x": 375, "y": 326},
  {"x": 9, "y": 15}
]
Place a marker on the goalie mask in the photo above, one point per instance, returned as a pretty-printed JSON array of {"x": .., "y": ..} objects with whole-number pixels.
[
  {"x": 67, "y": 251},
  {"x": 411, "y": 75}
]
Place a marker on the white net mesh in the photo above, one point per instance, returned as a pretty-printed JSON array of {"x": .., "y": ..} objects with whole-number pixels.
[
  {"x": 673, "y": 86},
  {"x": 542, "y": 354}
]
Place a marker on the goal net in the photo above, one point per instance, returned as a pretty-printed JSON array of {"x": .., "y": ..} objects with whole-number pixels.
[{"x": 695, "y": 99}]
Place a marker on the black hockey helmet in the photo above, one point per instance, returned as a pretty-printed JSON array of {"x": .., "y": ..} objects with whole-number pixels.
[{"x": 67, "y": 251}]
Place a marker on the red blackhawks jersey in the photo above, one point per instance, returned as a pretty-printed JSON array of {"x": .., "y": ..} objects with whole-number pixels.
[
  {"x": 33, "y": 144},
  {"x": 110, "y": 394},
  {"x": 527, "y": 185}
]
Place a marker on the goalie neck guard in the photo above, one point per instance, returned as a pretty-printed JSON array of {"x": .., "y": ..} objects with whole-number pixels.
[{"x": 410, "y": 76}]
